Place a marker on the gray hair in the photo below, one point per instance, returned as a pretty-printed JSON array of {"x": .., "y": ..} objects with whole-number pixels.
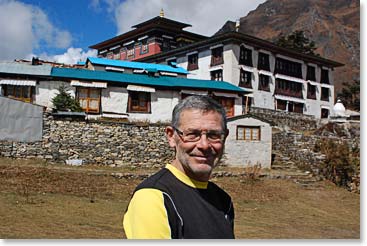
[{"x": 203, "y": 103}]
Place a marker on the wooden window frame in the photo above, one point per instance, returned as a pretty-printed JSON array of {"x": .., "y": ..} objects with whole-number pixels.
[
  {"x": 288, "y": 88},
  {"x": 324, "y": 76},
  {"x": 252, "y": 129},
  {"x": 245, "y": 79},
  {"x": 325, "y": 113},
  {"x": 311, "y": 73},
  {"x": 10, "y": 91},
  {"x": 135, "y": 101},
  {"x": 290, "y": 68},
  {"x": 216, "y": 75},
  {"x": 192, "y": 62},
  {"x": 280, "y": 103},
  {"x": 245, "y": 56},
  {"x": 227, "y": 103},
  {"x": 264, "y": 85},
  {"x": 263, "y": 62},
  {"x": 323, "y": 96},
  {"x": 89, "y": 100},
  {"x": 144, "y": 47},
  {"x": 311, "y": 91},
  {"x": 217, "y": 56}
]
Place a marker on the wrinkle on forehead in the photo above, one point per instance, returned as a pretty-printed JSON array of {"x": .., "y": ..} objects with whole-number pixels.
[{"x": 200, "y": 119}]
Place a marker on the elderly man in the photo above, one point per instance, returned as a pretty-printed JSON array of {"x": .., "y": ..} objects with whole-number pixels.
[{"x": 179, "y": 201}]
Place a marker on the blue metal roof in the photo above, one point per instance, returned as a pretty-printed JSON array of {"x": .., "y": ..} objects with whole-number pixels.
[
  {"x": 136, "y": 65},
  {"x": 144, "y": 79}
]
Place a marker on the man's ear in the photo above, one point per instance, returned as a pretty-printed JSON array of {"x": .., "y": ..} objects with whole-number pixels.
[{"x": 170, "y": 132}]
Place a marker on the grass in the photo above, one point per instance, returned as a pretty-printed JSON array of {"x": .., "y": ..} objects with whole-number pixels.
[{"x": 43, "y": 200}]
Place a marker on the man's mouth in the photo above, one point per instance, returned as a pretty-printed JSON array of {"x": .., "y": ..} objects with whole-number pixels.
[{"x": 201, "y": 157}]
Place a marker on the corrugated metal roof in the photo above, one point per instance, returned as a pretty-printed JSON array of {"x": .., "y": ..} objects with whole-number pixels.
[
  {"x": 136, "y": 65},
  {"x": 20, "y": 68},
  {"x": 143, "y": 79}
]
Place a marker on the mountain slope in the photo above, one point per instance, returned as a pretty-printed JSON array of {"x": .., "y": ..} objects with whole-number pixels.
[{"x": 333, "y": 25}]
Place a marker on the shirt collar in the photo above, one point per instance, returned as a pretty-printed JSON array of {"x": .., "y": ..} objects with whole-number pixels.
[{"x": 185, "y": 179}]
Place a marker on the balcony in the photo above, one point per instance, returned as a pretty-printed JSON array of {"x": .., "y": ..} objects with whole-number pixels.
[{"x": 288, "y": 92}]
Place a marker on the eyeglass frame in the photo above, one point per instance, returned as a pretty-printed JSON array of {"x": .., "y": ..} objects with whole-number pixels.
[{"x": 182, "y": 135}]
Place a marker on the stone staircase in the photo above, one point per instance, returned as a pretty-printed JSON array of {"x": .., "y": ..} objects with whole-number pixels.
[{"x": 284, "y": 168}]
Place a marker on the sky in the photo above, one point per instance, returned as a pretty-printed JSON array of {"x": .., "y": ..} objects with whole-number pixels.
[{"x": 63, "y": 30}]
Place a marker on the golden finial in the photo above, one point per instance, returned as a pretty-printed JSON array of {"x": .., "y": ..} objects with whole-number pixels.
[{"x": 161, "y": 14}]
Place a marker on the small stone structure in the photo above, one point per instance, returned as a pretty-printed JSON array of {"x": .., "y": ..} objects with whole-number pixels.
[{"x": 248, "y": 152}]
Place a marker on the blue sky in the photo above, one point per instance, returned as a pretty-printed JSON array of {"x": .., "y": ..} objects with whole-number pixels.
[{"x": 62, "y": 30}]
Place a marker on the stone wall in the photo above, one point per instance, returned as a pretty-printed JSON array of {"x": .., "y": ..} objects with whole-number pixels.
[
  {"x": 287, "y": 120},
  {"x": 301, "y": 148},
  {"x": 108, "y": 143}
]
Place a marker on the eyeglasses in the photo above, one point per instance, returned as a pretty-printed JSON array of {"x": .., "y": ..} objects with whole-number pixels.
[{"x": 195, "y": 135}]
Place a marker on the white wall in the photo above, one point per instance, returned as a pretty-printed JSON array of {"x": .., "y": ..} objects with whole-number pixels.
[
  {"x": 114, "y": 100},
  {"x": 47, "y": 90},
  {"x": 162, "y": 104},
  {"x": 248, "y": 153}
]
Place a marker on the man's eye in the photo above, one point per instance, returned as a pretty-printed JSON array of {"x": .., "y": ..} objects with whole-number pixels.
[
  {"x": 214, "y": 135},
  {"x": 192, "y": 134}
]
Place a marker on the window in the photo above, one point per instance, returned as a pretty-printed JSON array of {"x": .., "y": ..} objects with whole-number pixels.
[
  {"x": 139, "y": 102},
  {"x": 311, "y": 73},
  {"x": 288, "y": 88},
  {"x": 324, "y": 113},
  {"x": 324, "y": 76},
  {"x": 289, "y": 68},
  {"x": 130, "y": 52},
  {"x": 295, "y": 107},
  {"x": 263, "y": 62},
  {"x": 22, "y": 93},
  {"x": 245, "y": 79},
  {"x": 89, "y": 99},
  {"x": 217, "y": 56},
  {"x": 216, "y": 75},
  {"x": 227, "y": 103},
  {"x": 324, "y": 94},
  {"x": 245, "y": 56},
  {"x": 281, "y": 105},
  {"x": 110, "y": 55},
  {"x": 144, "y": 47},
  {"x": 249, "y": 133},
  {"x": 264, "y": 82},
  {"x": 192, "y": 62},
  {"x": 311, "y": 91}
]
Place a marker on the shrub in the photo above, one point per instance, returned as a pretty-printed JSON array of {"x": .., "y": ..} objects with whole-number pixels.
[
  {"x": 341, "y": 163},
  {"x": 63, "y": 101}
]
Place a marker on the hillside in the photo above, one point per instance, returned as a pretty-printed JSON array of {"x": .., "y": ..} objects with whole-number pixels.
[{"x": 333, "y": 25}]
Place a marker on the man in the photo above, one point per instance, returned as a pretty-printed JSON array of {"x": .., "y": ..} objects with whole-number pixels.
[{"x": 179, "y": 201}]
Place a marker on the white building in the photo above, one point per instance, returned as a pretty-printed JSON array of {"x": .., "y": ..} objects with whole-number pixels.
[{"x": 273, "y": 77}]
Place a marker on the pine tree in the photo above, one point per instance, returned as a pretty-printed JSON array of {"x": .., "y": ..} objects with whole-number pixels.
[
  {"x": 350, "y": 95},
  {"x": 297, "y": 41},
  {"x": 63, "y": 101}
]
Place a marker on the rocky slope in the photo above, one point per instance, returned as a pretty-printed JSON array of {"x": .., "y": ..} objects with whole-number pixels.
[{"x": 334, "y": 25}]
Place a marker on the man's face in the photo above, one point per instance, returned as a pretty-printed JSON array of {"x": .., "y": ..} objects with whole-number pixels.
[{"x": 197, "y": 159}]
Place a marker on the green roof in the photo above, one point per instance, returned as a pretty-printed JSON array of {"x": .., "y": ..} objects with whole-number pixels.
[{"x": 144, "y": 79}]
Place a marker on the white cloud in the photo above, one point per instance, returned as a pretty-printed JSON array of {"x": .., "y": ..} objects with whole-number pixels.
[
  {"x": 206, "y": 17},
  {"x": 25, "y": 28},
  {"x": 71, "y": 56}
]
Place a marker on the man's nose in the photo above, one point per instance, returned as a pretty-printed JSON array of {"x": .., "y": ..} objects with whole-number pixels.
[{"x": 203, "y": 142}]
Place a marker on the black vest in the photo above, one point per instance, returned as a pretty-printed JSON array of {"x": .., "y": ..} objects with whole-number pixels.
[{"x": 192, "y": 212}]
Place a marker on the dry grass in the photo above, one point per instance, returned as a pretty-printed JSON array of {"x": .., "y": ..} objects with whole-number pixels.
[{"x": 40, "y": 200}]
